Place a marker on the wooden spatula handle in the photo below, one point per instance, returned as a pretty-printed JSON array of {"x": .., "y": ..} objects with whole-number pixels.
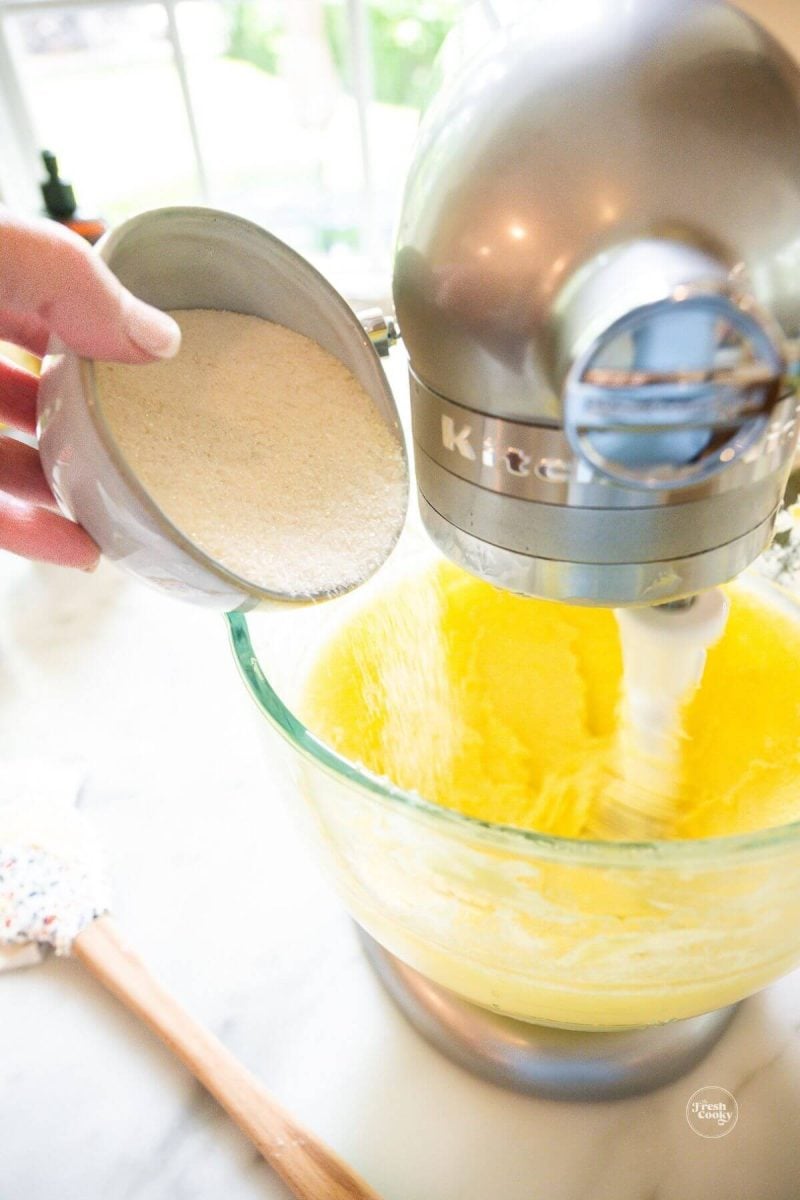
[{"x": 312, "y": 1171}]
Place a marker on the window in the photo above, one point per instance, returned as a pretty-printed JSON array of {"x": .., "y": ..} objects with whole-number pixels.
[{"x": 300, "y": 114}]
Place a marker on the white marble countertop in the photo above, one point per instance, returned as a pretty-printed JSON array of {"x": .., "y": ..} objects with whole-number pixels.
[{"x": 218, "y": 893}]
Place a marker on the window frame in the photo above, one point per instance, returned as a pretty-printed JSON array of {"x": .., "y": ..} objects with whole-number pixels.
[{"x": 19, "y": 161}]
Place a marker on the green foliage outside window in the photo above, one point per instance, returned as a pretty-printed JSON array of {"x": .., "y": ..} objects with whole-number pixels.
[
  {"x": 405, "y": 36},
  {"x": 254, "y": 38}
]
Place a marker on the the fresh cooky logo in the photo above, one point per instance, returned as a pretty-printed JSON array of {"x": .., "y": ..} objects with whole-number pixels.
[{"x": 712, "y": 1112}]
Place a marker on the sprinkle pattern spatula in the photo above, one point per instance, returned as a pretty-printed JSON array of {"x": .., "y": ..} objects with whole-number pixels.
[{"x": 53, "y": 892}]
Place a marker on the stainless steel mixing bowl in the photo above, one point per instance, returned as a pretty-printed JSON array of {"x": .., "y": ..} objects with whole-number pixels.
[{"x": 185, "y": 258}]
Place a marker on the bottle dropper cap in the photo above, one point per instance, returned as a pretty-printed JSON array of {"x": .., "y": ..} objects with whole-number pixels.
[{"x": 59, "y": 198}]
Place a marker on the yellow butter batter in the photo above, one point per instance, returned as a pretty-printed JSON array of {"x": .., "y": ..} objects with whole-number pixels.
[{"x": 504, "y": 707}]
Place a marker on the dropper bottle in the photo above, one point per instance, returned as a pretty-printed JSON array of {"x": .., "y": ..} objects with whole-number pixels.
[{"x": 61, "y": 205}]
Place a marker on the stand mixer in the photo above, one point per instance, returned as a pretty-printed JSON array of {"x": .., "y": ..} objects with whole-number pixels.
[{"x": 596, "y": 281}]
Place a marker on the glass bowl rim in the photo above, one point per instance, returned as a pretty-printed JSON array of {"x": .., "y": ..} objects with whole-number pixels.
[{"x": 677, "y": 853}]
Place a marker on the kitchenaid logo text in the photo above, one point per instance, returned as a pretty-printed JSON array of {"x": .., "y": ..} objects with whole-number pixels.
[
  {"x": 456, "y": 440},
  {"x": 712, "y": 1112}
]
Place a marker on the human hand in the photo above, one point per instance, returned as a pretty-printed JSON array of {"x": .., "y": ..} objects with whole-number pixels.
[{"x": 51, "y": 283}]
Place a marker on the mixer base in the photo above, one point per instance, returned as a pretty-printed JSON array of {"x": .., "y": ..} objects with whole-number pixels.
[{"x": 558, "y": 1064}]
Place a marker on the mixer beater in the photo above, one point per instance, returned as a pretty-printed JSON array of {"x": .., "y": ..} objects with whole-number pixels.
[{"x": 663, "y": 657}]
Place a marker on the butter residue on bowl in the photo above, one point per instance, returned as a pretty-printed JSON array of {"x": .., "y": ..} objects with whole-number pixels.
[
  {"x": 506, "y": 708},
  {"x": 264, "y": 451}
]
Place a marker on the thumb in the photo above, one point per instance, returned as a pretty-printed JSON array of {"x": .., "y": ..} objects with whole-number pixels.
[{"x": 49, "y": 275}]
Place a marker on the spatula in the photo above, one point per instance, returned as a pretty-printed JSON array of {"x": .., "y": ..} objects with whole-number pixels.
[{"x": 54, "y": 893}]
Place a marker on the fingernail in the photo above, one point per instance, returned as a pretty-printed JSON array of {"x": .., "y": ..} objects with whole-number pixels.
[
  {"x": 152, "y": 331},
  {"x": 92, "y": 566}
]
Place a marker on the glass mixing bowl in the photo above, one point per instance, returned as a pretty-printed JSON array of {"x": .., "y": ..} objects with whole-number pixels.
[{"x": 577, "y": 934}]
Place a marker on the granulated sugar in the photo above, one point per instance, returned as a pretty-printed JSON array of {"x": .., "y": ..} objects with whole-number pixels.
[{"x": 264, "y": 450}]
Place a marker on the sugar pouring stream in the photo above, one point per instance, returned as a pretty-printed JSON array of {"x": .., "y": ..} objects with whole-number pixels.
[
  {"x": 54, "y": 893},
  {"x": 664, "y": 652}
]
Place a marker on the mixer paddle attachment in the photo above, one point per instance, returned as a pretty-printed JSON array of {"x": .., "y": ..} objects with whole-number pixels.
[{"x": 664, "y": 655}]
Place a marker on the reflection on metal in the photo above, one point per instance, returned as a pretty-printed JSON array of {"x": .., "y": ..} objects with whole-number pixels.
[
  {"x": 558, "y": 1064},
  {"x": 594, "y": 305},
  {"x": 380, "y": 329}
]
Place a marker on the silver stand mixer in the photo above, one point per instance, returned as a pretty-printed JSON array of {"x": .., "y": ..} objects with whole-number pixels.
[{"x": 597, "y": 283}]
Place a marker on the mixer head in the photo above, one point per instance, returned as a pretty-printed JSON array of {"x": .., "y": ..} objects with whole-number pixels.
[{"x": 598, "y": 282}]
